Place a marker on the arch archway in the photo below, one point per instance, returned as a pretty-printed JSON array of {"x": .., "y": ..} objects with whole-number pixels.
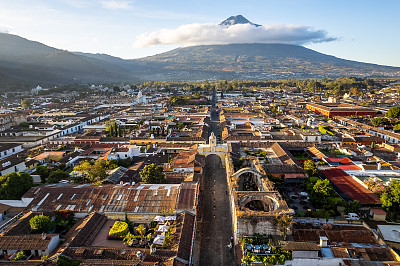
[
  {"x": 214, "y": 157},
  {"x": 268, "y": 203},
  {"x": 249, "y": 179}
]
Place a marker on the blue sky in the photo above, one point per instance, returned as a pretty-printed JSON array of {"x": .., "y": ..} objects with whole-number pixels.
[{"x": 365, "y": 31}]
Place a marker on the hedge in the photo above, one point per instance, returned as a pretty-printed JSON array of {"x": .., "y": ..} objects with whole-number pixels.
[{"x": 120, "y": 229}]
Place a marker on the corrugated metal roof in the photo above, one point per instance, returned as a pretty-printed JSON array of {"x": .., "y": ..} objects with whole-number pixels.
[{"x": 113, "y": 198}]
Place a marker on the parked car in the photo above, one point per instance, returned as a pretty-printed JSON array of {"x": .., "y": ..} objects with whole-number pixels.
[{"x": 352, "y": 216}]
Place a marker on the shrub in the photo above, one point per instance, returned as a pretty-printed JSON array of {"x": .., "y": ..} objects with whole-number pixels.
[
  {"x": 64, "y": 261},
  {"x": 40, "y": 223},
  {"x": 119, "y": 229},
  {"x": 20, "y": 256}
]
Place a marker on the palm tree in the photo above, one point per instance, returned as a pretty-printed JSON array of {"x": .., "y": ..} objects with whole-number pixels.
[{"x": 284, "y": 223}]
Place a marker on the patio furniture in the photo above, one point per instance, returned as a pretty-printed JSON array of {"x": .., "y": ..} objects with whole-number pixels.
[
  {"x": 159, "y": 240},
  {"x": 266, "y": 248},
  {"x": 159, "y": 218},
  {"x": 163, "y": 228},
  {"x": 248, "y": 247},
  {"x": 170, "y": 218}
]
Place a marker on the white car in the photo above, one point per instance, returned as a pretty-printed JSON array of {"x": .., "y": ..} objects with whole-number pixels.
[{"x": 352, "y": 216}]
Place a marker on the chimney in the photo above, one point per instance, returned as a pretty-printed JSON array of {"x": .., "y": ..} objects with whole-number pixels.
[
  {"x": 323, "y": 241},
  {"x": 379, "y": 166}
]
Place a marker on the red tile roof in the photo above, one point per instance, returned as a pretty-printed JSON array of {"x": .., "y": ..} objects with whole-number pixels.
[{"x": 349, "y": 186}]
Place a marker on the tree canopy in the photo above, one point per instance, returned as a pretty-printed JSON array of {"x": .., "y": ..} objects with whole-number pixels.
[
  {"x": 13, "y": 186},
  {"x": 322, "y": 188},
  {"x": 380, "y": 121},
  {"x": 391, "y": 201},
  {"x": 310, "y": 168},
  {"x": 153, "y": 174},
  {"x": 43, "y": 171},
  {"x": 393, "y": 112},
  {"x": 40, "y": 223},
  {"x": 57, "y": 175},
  {"x": 91, "y": 171}
]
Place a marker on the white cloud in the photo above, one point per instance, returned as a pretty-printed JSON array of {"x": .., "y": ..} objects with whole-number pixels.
[
  {"x": 198, "y": 34},
  {"x": 117, "y": 4},
  {"x": 5, "y": 29}
]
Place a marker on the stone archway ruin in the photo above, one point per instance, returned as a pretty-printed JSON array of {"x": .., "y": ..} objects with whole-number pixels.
[
  {"x": 249, "y": 179},
  {"x": 270, "y": 203}
]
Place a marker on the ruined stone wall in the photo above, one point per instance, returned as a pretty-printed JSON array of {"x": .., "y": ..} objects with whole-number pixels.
[
  {"x": 247, "y": 226},
  {"x": 230, "y": 170}
]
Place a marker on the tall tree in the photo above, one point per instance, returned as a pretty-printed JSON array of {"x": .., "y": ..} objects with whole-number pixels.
[
  {"x": 284, "y": 221},
  {"x": 153, "y": 174},
  {"x": 13, "y": 186},
  {"x": 393, "y": 112},
  {"x": 322, "y": 189},
  {"x": 91, "y": 171},
  {"x": 43, "y": 171},
  {"x": 56, "y": 176},
  {"x": 310, "y": 168},
  {"x": 391, "y": 201}
]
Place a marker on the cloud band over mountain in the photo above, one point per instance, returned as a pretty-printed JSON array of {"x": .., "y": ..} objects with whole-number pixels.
[{"x": 205, "y": 34}]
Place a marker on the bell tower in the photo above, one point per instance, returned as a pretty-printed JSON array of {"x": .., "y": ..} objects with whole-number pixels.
[{"x": 213, "y": 140}]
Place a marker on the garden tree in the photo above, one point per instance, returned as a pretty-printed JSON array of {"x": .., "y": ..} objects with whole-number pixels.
[
  {"x": 153, "y": 174},
  {"x": 56, "y": 176},
  {"x": 333, "y": 202},
  {"x": 25, "y": 103},
  {"x": 353, "y": 206},
  {"x": 64, "y": 261},
  {"x": 113, "y": 128},
  {"x": 396, "y": 127},
  {"x": 112, "y": 164},
  {"x": 43, "y": 171},
  {"x": 373, "y": 145},
  {"x": 310, "y": 168},
  {"x": 124, "y": 162},
  {"x": 20, "y": 256},
  {"x": 40, "y": 223},
  {"x": 92, "y": 171},
  {"x": 284, "y": 221},
  {"x": 322, "y": 188},
  {"x": 393, "y": 112},
  {"x": 380, "y": 121},
  {"x": 391, "y": 201},
  {"x": 13, "y": 186},
  {"x": 140, "y": 229}
]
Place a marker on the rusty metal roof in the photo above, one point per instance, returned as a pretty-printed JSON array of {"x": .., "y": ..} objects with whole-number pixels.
[{"x": 145, "y": 198}]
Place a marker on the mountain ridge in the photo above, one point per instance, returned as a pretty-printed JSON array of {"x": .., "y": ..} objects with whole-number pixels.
[
  {"x": 238, "y": 19},
  {"x": 25, "y": 63}
]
